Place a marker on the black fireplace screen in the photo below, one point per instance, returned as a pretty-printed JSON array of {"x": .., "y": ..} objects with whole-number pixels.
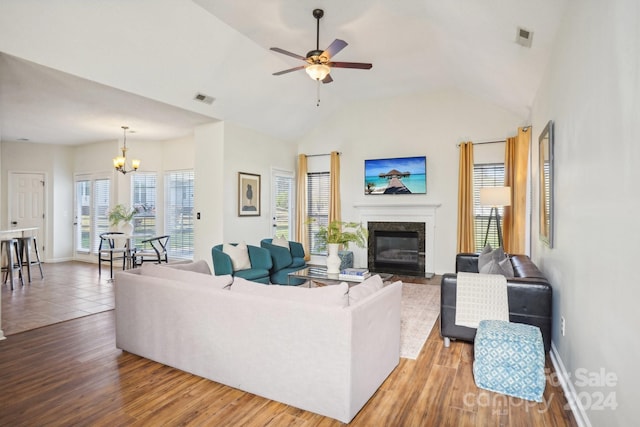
[{"x": 397, "y": 249}]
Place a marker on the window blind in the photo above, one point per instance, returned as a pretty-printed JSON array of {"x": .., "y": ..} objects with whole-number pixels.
[
  {"x": 318, "y": 187},
  {"x": 283, "y": 188},
  {"x": 101, "y": 199},
  {"x": 486, "y": 175},
  {"x": 143, "y": 194},
  {"x": 179, "y": 213}
]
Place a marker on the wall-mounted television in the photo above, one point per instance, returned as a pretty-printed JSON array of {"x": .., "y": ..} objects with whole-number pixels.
[{"x": 399, "y": 175}]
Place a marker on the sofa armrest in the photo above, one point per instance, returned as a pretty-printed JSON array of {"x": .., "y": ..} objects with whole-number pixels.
[
  {"x": 467, "y": 262},
  {"x": 280, "y": 256},
  {"x": 260, "y": 257},
  {"x": 297, "y": 250},
  {"x": 221, "y": 262}
]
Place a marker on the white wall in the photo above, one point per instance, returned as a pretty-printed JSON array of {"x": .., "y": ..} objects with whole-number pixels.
[
  {"x": 255, "y": 153},
  {"x": 209, "y": 189},
  {"x": 412, "y": 125},
  {"x": 592, "y": 93},
  {"x": 55, "y": 162}
]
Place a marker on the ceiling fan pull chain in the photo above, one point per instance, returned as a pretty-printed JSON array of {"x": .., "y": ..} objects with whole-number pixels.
[{"x": 318, "y": 92}]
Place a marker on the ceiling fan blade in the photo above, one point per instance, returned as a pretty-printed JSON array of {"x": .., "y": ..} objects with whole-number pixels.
[
  {"x": 327, "y": 79},
  {"x": 334, "y": 48},
  {"x": 359, "y": 65},
  {"x": 301, "y": 67},
  {"x": 286, "y": 52}
]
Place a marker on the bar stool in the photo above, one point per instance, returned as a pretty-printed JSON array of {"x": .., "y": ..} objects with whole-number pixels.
[
  {"x": 26, "y": 244},
  {"x": 9, "y": 247}
]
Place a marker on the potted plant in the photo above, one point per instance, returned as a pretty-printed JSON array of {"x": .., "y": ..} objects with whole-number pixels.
[
  {"x": 338, "y": 233},
  {"x": 120, "y": 213}
]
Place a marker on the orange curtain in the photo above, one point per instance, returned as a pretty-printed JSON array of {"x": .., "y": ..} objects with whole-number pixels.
[
  {"x": 334, "y": 191},
  {"x": 516, "y": 169},
  {"x": 301, "y": 205},
  {"x": 466, "y": 227}
]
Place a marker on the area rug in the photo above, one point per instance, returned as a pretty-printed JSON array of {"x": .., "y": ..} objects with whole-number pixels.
[{"x": 419, "y": 312}]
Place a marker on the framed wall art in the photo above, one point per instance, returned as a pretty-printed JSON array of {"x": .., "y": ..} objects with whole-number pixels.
[{"x": 248, "y": 194}]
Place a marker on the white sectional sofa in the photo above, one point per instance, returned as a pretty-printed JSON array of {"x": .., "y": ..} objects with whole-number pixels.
[{"x": 306, "y": 349}]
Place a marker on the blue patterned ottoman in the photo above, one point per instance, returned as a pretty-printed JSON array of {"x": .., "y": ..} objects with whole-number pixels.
[{"x": 509, "y": 359}]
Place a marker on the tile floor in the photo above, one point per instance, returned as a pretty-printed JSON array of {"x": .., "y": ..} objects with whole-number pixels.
[{"x": 68, "y": 290}]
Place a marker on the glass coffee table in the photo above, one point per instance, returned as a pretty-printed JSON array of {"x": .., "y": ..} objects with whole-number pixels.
[{"x": 320, "y": 276}]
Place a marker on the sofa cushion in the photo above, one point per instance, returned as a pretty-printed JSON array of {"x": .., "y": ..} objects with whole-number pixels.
[
  {"x": 200, "y": 266},
  {"x": 239, "y": 255},
  {"x": 171, "y": 273},
  {"x": 369, "y": 286},
  {"x": 297, "y": 262},
  {"x": 335, "y": 295}
]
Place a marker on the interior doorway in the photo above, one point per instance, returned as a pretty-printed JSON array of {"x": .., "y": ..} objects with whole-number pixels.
[{"x": 26, "y": 209}]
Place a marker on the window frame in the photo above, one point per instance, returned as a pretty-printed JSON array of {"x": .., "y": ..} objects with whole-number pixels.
[
  {"x": 181, "y": 246},
  {"x": 486, "y": 175},
  {"x": 318, "y": 195}
]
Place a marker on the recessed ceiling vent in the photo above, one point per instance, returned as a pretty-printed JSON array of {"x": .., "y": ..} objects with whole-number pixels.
[
  {"x": 204, "y": 98},
  {"x": 524, "y": 37}
]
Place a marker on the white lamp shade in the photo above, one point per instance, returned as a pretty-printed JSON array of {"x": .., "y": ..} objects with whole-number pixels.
[
  {"x": 318, "y": 71},
  {"x": 495, "y": 196}
]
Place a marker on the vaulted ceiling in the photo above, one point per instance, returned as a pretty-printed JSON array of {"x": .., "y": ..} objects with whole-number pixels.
[{"x": 415, "y": 47}]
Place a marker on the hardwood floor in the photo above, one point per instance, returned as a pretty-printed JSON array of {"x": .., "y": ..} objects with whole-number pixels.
[{"x": 71, "y": 373}]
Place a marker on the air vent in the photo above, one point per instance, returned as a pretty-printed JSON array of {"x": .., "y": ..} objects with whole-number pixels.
[
  {"x": 204, "y": 98},
  {"x": 524, "y": 37}
]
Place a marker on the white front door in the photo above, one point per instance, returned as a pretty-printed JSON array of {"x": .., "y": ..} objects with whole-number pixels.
[{"x": 27, "y": 203}]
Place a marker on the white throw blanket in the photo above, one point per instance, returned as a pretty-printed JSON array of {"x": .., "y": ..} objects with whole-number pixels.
[{"x": 481, "y": 297}]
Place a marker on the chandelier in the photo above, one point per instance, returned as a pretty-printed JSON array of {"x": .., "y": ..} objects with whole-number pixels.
[{"x": 119, "y": 163}]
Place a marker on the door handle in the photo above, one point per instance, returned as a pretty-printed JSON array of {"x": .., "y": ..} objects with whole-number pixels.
[{"x": 14, "y": 222}]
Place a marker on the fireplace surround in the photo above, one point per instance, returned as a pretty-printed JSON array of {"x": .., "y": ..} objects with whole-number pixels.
[
  {"x": 424, "y": 213},
  {"x": 396, "y": 247}
]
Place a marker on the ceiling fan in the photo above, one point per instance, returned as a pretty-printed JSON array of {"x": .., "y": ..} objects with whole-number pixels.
[{"x": 318, "y": 63}]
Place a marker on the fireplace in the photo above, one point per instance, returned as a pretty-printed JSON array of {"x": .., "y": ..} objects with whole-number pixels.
[
  {"x": 396, "y": 250},
  {"x": 396, "y": 247}
]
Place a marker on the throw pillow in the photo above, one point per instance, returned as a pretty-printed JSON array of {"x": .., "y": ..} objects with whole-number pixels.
[
  {"x": 334, "y": 295},
  {"x": 495, "y": 262},
  {"x": 485, "y": 257},
  {"x": 369, "y": 286},
  {"x": 280, "y": 241},
  {"x": 507, "y": 268},
  {"x": 155, "y": 270},
  {"x": 239, "y": 255},
  {"x": 200, "y": 266}
]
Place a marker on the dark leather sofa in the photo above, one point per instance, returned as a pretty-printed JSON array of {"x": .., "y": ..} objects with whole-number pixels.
[{"x": 529, "y": 295}]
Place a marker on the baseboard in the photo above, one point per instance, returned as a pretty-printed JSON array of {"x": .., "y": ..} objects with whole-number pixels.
[
  {"x": 578, "y": 410},
  {"x": 54, "y": 260}
]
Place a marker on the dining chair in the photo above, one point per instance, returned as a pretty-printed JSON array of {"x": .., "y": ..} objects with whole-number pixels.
[
  {"x": 110, "y": 252},
  {"x": 154, "y": 250}
]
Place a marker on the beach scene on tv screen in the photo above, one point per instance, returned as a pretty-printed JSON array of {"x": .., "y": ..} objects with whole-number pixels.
[{"x": 402, "y": 175}]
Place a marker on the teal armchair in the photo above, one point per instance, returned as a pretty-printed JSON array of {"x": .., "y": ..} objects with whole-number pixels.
[
  {"x": 260, "y": 264},
  {"x": 285, "y": 261}
]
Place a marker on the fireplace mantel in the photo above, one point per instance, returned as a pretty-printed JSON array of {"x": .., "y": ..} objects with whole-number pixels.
[{"x": 404, "y": 212}]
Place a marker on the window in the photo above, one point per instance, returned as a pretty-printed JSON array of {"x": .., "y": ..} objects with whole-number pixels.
[
  {"x": 179, "y": 213},
  {"x": 144, "y": 201},
  {"x": 486, "y": 175},
  {"x": 92, "y": 199},
  {"x": 282, "y": 204},
  {"x": 318, "y": 185}
]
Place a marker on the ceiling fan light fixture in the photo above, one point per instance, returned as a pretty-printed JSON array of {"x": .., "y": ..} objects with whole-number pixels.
[{"x": 318, "y": 71}]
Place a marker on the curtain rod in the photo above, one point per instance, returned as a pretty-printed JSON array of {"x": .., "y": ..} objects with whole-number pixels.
[
  {"x": 483, "y": 142},
  {"x": 524, "y": 129},
  {"x": 320, "y": 155}
]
